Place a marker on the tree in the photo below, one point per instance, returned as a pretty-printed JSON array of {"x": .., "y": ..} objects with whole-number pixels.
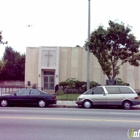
[
  {"x": 77, "y": 46},
  {"x": 2, "y": 62},
  {"x": 1, "y": 39},
  {"x": 14, "y": 66},
  {"x": 2, "y": 65},
  {"x": 114, "y": 46}
]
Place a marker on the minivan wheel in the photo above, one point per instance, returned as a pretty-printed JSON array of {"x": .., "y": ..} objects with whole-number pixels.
[
  {"x": 4, "y": 103},
  {"x": 87, "y": 104},
  {"x": 127, "y": 105},
  {"x": 41, "y": 103}
]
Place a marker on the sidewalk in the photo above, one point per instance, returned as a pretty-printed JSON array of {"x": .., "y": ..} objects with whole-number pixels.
[
  {"x": 65, "y": 103},
  {"x": 72, "y": 104}
]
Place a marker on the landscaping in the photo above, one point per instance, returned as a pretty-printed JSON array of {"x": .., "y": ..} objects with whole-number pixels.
[{"x": 71, "y": 96}]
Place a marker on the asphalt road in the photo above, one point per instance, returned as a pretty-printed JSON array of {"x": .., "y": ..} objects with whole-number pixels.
[{"x": 21, "y": 123}]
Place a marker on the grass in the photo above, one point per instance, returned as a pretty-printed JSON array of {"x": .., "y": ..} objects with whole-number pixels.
[
  {"x": 71, "y": 96},
  {"x": 66, "y": 96}
]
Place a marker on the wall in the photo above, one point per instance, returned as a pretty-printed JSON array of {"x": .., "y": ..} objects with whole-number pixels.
[
  {"x": 31, "y": 65},
  {"x": 48, "y": 60},
  {"x": 72, "y": 64}
]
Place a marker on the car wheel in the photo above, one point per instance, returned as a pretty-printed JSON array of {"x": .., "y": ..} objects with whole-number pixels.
[
  {"x": 41, "y": 103},
  {"x": 87, "y": 104},
  {"x": 4, "y": 103},
  {"x": 127, "y": 105}
]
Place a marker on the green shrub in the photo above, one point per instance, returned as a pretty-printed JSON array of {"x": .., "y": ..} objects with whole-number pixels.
[
  {"x": 121, "y": 82},
  {"x": 72, "y": 85},
  {"x": 94, "y": 84}
]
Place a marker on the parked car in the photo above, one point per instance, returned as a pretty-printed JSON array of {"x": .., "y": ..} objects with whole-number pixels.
[
  {"x": 123, "y": 96},
  {"x": 28, "y": 96}
]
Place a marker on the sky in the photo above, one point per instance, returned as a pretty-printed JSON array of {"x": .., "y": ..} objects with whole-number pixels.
[{"x": 61, "y": 22}]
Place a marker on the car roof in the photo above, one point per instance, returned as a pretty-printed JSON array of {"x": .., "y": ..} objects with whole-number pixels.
[{"x": 114, "y": 86}]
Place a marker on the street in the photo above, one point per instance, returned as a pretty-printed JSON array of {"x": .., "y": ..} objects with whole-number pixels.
[{"x": 22, "y": 123}]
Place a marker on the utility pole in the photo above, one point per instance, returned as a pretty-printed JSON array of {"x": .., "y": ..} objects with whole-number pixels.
[{"x": 88, "y": 51}]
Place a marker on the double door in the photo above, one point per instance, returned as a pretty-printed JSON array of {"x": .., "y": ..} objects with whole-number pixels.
[{"x": 49, "y": 82}]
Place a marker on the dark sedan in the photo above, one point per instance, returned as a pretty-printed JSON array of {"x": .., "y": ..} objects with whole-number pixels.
[{"x": 28, "y": 96}]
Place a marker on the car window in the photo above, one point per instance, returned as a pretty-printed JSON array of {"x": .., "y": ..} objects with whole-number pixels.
[
  {"x": 23, "y": 92},
  {"x": 126, "y": 90},
  {"x": 113, "y": 90},
  {"x": 98, "y": 90},
  {"x": 34, "y": 92},
  {"x": 89, "y": 91}
]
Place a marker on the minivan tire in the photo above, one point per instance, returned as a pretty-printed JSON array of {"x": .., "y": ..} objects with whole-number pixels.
[{"x": 87, "y": 104}]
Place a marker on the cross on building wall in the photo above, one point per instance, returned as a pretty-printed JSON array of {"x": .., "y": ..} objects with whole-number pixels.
[{"x": 48, "y": 57}]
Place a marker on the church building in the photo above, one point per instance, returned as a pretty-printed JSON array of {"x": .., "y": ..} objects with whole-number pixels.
[{"x": 47, "y": 66}]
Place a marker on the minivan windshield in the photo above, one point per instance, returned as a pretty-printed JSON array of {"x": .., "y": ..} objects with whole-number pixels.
[{"x": 90, "y": 91}]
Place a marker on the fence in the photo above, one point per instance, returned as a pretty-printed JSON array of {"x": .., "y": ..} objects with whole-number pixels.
[
  {"x": 13, "y": 89},
  {"x": 9, "y": 89}
]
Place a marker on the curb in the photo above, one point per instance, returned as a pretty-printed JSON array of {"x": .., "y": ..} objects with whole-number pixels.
[
  {"x": 72, "y": 104},
  {"x": 66, "y": 106},
  {"x": 76, "y": 106}
]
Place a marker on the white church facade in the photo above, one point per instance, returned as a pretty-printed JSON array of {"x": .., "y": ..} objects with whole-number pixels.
[{"x": 47, "y": 66}]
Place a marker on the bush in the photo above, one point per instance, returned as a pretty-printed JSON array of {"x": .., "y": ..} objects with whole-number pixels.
[
  {"x": 72, "y": 85},
  {"x": 94, "y": 84},
  {"x": 121, "y": 82}
]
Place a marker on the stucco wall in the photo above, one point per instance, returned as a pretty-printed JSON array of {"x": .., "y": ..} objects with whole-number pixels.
[
  {"x": 72, "y": 64},
  {"x": 31, "y": 65}
]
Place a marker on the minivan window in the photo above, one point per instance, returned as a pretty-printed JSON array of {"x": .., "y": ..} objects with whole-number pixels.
[
  {"x": 125, "y": 90},
  {"x": 98, "y": 90},
  {"x": 113, "y": 90}
]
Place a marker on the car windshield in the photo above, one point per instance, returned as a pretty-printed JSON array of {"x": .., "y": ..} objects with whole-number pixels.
[{"x": 89, "y": 91}]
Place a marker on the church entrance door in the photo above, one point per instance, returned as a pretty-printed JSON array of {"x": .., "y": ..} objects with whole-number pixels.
[{"x": 49, "y": 80}]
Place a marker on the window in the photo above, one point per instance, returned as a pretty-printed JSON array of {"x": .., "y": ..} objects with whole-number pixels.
[
  {"x": 48, "y": 72},
  {"x": 98, "y": 90},
  {"x": 34, "y": 92},
  {"x": 113, "y": 90},
  {"x": 126, "y": 90},
  {"x": 89, "y": 91},
  {"x": 23, "y": 92}
]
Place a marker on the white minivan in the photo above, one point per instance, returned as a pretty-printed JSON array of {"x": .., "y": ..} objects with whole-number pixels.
[{"x": 116, "y": 95}]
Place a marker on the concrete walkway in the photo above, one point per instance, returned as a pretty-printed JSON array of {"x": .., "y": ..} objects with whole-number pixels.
[{"x": 65, "y": 103}]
